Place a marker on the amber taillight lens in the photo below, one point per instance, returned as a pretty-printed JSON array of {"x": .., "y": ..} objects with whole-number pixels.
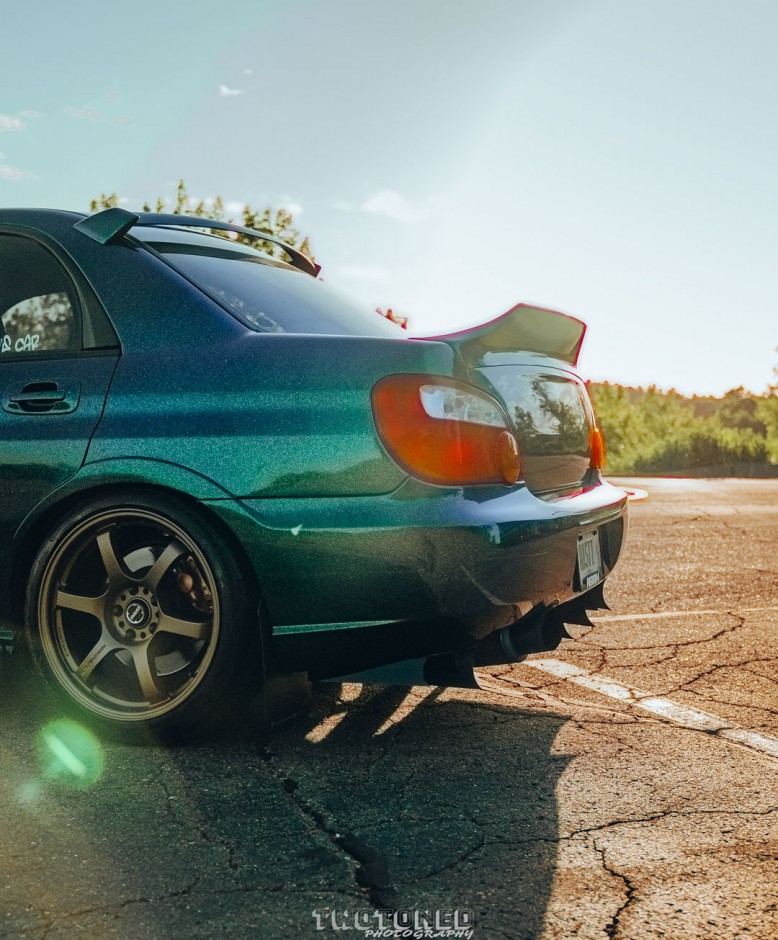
[
  {"x": 596, "y": 449},
  {"x": 445, "y": 432}
]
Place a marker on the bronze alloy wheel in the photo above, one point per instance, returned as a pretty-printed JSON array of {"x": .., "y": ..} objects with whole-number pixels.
[{"x": 128, "y": 614}]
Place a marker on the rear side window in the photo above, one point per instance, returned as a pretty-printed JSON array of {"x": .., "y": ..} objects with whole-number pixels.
[
  {"x": 266, "y": 295},
  {"x": 37, "y": 301}
]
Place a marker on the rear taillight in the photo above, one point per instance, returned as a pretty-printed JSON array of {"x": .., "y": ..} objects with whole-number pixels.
[
  {"x": 596, "y": 449},
  {"x": 445, "y": 432}
]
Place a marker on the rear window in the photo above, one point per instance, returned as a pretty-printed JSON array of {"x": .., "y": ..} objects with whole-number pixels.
[{"x": 264, "y": 294}]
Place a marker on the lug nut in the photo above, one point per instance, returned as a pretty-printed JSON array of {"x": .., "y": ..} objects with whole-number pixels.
[
  {"x": 130, "y": 634},
  {"x": 117, "y": 610}
]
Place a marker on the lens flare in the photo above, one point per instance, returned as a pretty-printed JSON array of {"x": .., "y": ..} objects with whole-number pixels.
[{"x": 70, "y": 754}]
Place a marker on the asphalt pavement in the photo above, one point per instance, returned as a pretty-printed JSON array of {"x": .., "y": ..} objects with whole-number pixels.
[{"x": 623, "y": 786}]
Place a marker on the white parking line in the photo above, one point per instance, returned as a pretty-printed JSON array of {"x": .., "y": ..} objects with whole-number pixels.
[
  {"x": 680, "y": 613},
  {"x": 663, "y": 707}
]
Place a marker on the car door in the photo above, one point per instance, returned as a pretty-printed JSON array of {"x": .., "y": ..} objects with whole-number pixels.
[{"x": 53, "y": 381}]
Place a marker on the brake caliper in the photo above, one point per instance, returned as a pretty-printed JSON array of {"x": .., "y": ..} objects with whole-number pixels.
[{"x": 191, "y": 583}]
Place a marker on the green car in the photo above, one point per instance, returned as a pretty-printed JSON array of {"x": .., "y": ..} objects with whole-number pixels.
[{"x": 216, "y": 474}]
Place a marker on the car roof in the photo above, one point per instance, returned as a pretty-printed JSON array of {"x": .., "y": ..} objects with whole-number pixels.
[{"x": 111, "y": 224}]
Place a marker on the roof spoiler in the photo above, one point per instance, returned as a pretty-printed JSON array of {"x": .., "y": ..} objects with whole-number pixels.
[
  {"x": 107, "y": 226},
  {"x": 110, "y": 225},
  {"x": 521, "y": 329}
]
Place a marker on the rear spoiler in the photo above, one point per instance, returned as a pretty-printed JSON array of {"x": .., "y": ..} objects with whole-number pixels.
[{"x": 521, "y": 329}]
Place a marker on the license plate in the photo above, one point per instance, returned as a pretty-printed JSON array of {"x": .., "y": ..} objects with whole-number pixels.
[{"x": 589, "y": 560}]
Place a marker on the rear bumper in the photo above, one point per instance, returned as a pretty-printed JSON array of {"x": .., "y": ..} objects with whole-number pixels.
[{"x": 423, "y": 568}]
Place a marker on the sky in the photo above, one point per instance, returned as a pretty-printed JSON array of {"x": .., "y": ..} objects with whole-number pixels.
[{"x": 613, "y": 159}]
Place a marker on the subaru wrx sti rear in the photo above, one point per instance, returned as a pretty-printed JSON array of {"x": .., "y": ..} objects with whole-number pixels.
[{"x": 216, "y": 472}]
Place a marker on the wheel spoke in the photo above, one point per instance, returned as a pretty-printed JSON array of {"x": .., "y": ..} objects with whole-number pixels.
[
  {"x": 195, "y": 630},
  {"x": 96, "y": 655},
  {"x": 111, "y": 562},
  {"x": 140, "y": 656},
  {"x": 87, "y": 605},
  {"x": 160, "y": 567}
]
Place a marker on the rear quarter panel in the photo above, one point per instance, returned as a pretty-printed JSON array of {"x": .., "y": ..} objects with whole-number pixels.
[{"x": 262, "y": 415}]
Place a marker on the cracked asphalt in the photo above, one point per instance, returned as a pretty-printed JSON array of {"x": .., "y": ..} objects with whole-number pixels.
[{"x": 553, "y": 804}]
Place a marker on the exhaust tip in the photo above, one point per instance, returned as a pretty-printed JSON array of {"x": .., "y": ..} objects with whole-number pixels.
[{"x": 541, "y": 631}]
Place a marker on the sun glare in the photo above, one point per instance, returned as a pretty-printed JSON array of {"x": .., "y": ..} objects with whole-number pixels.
[{"x": 70, "y": 754}]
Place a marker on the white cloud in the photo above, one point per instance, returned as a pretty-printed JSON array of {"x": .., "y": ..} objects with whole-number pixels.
[
  {"x": 394, "y": 206},
  {"x": 123, "y": 120},
  {"x": 13, "y": 173},
  {"x": 86, "y": 113},
  {"x": 225, "y": 92},
  {"x": 363, "y": 272},
  {"x": 31, "y": 114},
  {"x": 248, "y": 71},
  {"x": 234, "y": 207},
  {"x": 10, "y": 123}
]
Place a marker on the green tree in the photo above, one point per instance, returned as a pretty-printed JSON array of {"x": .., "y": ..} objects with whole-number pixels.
[
  {"x": 767, "y": 413},
  {"x": 739, "y": 410},
  {"x": 663, "y": 413},
  {"x": 276, "y": 222},
  {"x": 622, "y": 425},
  {"x": 705, "y": 445},
  {"x": 650, "y": 431}
]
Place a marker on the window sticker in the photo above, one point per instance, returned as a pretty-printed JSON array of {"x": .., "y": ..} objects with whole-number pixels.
[{"x": 28, "y": 343}]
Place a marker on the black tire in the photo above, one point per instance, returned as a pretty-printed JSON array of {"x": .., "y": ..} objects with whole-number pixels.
[{"x": 142, "y": 616}]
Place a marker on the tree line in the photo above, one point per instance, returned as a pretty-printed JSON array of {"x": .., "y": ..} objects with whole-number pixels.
[{"x": 651, "y": 431}]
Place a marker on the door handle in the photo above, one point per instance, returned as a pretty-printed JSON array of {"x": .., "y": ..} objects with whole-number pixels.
[{"x": 41, "y": 398}]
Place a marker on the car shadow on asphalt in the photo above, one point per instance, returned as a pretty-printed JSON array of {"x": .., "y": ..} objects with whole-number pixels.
[
  {"x": 446, "y": 799},
  {"x": 380, "y": 797}
]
